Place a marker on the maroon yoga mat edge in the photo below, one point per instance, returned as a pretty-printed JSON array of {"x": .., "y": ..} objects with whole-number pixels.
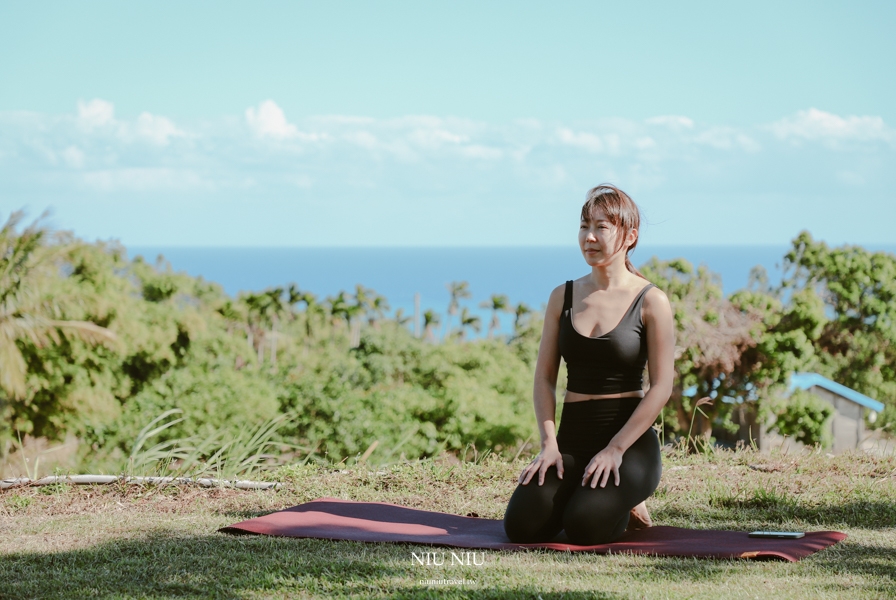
[{"x": 346, "y": 520}]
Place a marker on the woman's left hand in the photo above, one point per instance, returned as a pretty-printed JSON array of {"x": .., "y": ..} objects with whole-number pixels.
[{"x": 604, "y": 462}]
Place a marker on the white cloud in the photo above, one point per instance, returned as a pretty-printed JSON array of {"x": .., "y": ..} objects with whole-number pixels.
[
  {"x": 484, "y": 152},
  {"x": 520, "y": 153},
  {"x": 95, "y": 152},
  {"x": 821, "y": 126},
  {"x": 416, "y": 137},
  {"x": 658, "y": 138},
  {"x": 417, "y": 121},
  {"x": 586, "y": 141},
  {"x": 300, "y": 181},
  {"x": 342, "y": 120},
  {"x": 435, "y": 138},
  {"x": 613, "y": 142},
  {"x": 727, "y": 138},
  {"x": 73, "y": 157},
  {"x": 675, "y": 122},
  {"x": 269, "y": 121},
  {"x": 529, "y": 123},
  {"x": 156, "y": 129},
  {"x": 551, "y": 175},
  {"x": 365, "y": 139},
  {"x": 96, "y": 113},
  {"x": 141, "y": 179},
  {"x": 645, "y": 143}
]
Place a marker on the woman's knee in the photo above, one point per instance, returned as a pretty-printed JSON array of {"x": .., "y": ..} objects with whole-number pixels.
[
  {"x": 531, "y": 523},
  {"x": 534, "y": 511},
  {"x": 642, "y": 466},
  {"x": 592, "y": 517},
  {"x": 594, "y": 531}
]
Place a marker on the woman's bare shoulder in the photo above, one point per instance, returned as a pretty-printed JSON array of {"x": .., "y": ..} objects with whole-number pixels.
[
  {"x": 555, "y": 301},
  {"x": 656, "y": 301}
]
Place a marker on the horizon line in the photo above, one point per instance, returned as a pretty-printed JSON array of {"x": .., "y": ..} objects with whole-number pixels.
[{"x": 470, "y": 247}]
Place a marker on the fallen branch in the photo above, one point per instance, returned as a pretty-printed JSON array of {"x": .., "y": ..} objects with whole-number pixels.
[{"x": 107, "y": 479}]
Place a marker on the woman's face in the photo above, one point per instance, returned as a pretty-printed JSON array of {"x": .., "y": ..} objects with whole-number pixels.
[{"x": 599, "y": 239}]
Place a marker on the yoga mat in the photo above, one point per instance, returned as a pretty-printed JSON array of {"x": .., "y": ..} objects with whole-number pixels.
[{"x": 334, "y": 519}]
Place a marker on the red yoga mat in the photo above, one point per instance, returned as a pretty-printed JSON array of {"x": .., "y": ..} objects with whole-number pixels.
[{"x": 334, "y": 519}]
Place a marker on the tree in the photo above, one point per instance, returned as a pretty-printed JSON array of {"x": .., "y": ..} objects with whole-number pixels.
[
  {"x": 27, "y": 310},
  {"x": 276, "y": 308},
  {"x": 236, "y": 315},
  {"x": 315, "y": 314},
  {"x": 468, "y": 320},
  {"x": 401, "y": 318},
  {"x": 458, "y": 290},
  {"x": 340, "y": 308},
  {"x": 378, "y": 308},
  {"x": 852, "y": 328},
  {"x": 498, "y": 303},
  {"x": 293, "y": 296},
  {"x": 430, "y": 323},
  {"x": 712, "y": 335},
  {"x": 356, "y": 311},
  {"x": 257, "y": 313},
  {"x": 520, "y": 313},
  {"x": 363, "y": 297},
  {"x": 353, "y": 316}
]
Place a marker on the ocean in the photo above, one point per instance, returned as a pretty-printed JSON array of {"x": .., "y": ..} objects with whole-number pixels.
[{"x": 524, "y": 274}]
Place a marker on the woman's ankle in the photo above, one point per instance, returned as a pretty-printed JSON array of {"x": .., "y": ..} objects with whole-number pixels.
[{"x": 639, "y": 518}]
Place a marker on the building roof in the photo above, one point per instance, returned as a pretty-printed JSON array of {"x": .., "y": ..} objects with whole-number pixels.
[{"x": 804, "y": 381}]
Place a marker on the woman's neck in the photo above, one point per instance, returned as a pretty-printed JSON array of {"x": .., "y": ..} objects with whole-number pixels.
[{"x": 611, "y": 275}]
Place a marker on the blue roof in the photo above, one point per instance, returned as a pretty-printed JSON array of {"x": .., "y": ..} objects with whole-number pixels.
[{"x": 804, "y": 381}]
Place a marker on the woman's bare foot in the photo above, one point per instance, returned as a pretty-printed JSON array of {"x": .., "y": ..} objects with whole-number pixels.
[{"x": 639, "y": 518}]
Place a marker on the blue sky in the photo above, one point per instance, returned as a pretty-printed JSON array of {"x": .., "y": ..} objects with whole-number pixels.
[{"x": 461, "y": 123}]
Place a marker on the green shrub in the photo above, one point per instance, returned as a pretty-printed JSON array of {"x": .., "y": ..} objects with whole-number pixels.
[{"x": 806, "y": 418}]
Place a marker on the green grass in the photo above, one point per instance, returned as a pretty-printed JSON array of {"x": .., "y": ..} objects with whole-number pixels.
[{"x": 129, "y": 542}]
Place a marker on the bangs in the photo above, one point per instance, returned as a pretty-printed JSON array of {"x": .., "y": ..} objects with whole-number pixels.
[
  {"x": 620, "y": 210},
  {"x": 610, "y": 209}
]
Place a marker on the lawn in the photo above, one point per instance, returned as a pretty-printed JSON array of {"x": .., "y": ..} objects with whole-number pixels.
[{"x": 119, "y": 541}]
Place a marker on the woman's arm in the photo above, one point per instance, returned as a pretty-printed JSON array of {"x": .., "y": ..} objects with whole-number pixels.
[
  {"x": 660, "y": 326},
  {"x": 544, "y": 392}
]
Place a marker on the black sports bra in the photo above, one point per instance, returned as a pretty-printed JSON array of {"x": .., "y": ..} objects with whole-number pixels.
[{"x": 611, "y": 363}]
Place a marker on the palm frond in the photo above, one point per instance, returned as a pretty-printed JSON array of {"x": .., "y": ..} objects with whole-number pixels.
[
  {"x": 87, "y": 331},
  {"x": 13, "y": 369}
]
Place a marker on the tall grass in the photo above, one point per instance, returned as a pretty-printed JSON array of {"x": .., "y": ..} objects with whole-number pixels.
[{"x": 253, "y": 450}]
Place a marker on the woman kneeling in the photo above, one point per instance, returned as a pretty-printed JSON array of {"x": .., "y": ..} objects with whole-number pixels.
[{"x": 594, "y": 475}]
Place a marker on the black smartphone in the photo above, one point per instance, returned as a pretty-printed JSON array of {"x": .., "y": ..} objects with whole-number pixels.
[{"x": 781, "y": 535}]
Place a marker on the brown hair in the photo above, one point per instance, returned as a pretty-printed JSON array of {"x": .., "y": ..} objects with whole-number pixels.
[{"x": 621, "y": 211}]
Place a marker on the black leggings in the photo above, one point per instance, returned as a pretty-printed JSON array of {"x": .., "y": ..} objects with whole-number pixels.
[{"x": 537, "y": 513}]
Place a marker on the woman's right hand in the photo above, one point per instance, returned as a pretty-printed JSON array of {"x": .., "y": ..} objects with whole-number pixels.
[{"x": 548, "y": 457}]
